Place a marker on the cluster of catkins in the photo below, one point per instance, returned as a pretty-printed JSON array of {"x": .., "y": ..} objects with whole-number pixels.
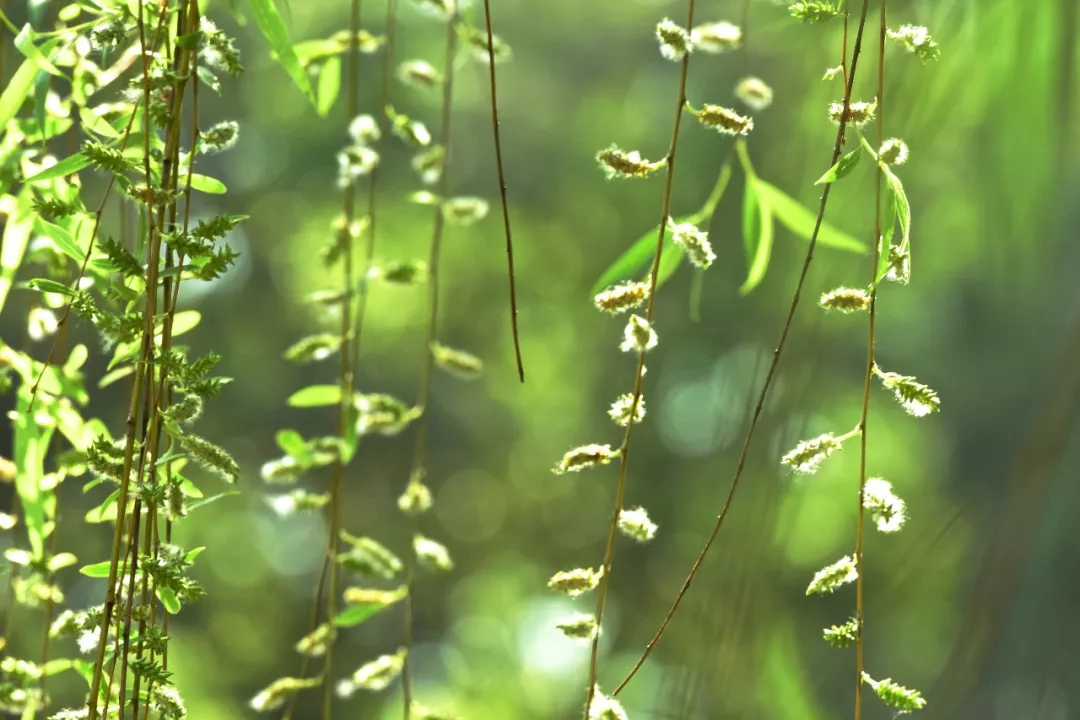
[
  {"x": 886, "y": 509},
  {"x": 639, "y": 335}
]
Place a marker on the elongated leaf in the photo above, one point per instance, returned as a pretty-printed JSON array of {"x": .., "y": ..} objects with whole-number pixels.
[
  {"x": 24, "y": 41},
  {"x": 71, "y": 164},
  {"x": 316, "y": 396},
  {"x": 842, "y": 167},
  {"x": 796, "y": 218},
  {"x": 638, "y": 258},
  {"x": 292, "y": 444},
  {"x": 213, "y": 498},
  {"x": 16, "y": 238},
  {"x": 757, "y": 235},
  {"x": 273, "y": 29},
  {"x": 903, "y": 208},
  {"x": 31, "y": 446},
  {"x": 97, "y": 570},
  {"x": 20, "y": 84},
  {"x": 329, "y": 85},
  {"x": 206, "y": 184},
  {"x": 168, "y": 599},
  {"x": 61, "y": 237},
  {"x": 50, "y": 286},
  {"x": 359, "y": 612}
]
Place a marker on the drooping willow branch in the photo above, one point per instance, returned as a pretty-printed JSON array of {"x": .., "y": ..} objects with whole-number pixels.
[
  {"x": 770, "y": 375},
  {"x": 502, "y": 193},
  {"x": 624, "y": 453}
]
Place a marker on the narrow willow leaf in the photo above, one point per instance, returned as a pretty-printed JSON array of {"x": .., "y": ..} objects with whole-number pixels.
[
  {"x": 316, "y": 396},
  {"x": 24, "y": 41},
  {"x": 106, "y": 511},
  {"x": 168, "y": 599},
  {"x": 71, "y": 164},
  {"x": 273, "y": 29},
  {"x": 329, "y": 85},
  {"x": 638, "y": 258},
  {"x": 903, "y": 208},
  {"x": 63, "y": 239},
  {"x": 50, "y": 286},
  {"x": 41, "y": 92},
  {"x": 20, "y": 84},
  {"x": 206, "y": 184},
  {"x": 213, "y": 498},
  {"x": 368, "y": 607},
  {"x": 31, "y": 446},
  {"x": 192, "y": 554},
  {"x": 16, "y": 238},
  {"x": 97, "y": 570},
  {"x": 842, "y": 167},
  {"x": 796, "y": 218},
  {"x": 757, "y": 235},
  {"x": 96, "y": 124},
  {"x": 292, "y": 444}
]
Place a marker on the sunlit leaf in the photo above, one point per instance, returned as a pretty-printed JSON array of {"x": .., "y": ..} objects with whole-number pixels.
[
  {"x": 20, "y": 84},
  {"x": 316, "y": 396},
  {"x": 637, "y": 260},
  {"x": 206, "y": 184},
  {"x": 757, "y": 235},
  {"x": 273, "y": 29},
  {"x": 71, "y": 164},
  {"x": 168, "y": 599},
  {"x": 97, "y": 570},
  {"x": 796, "y": 218},
  {"x": 31, "y": 446},
  {"x": 842, "y": 167},
  {"x": 329, "y": 85},
  {"x": 16, "y": 238},
  {"x": 377, "y": 601}
]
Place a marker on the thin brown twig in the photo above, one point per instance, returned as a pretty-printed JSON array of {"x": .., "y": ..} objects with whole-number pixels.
[
  {"x": 769, "y": 376},
  {"x": 624, "y": 452},
  {"x": 502, "y": 193},
  {"x": 868, "y": 378}
]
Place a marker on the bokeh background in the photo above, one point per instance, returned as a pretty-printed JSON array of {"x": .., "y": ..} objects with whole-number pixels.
[{"x": 974, "y": 603}]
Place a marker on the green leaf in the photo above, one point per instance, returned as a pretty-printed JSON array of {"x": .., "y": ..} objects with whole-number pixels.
[
  {"x": 638, "y": 259},
  {"x": 106, "y": 511},
  {"x": 901, "y": 204},
  {"x": 31, "y": 445},
  {"x": 329, "y": 85},
  {"x": 842, "y": 167},
  {"x": 192, "y": 554},
  {"x": 757, "y": 235},
  {"x": 213, "y": 498},
  {"x": 184, "y": 321},
  {"x": 97, "y": 124},
  {"x": 316, "y": 396},
  {"x": 97, "y": 570},
  {"x": 20, "y": 84},
  {"x": 273, "y": 29},
  {"x": 358, "y": 613},
  {"x": 16, "y": 238},
  {"x": 63, "y": 239},
  {"x": 796, "y": 218},
  {"x": 206, "y": 184},
  {"x": 71, "y": 164},
  {"x": 50, "y": 286},
  {"x": 24, "y": 41},
  {"x": 168, "y": 599},
  {"x": 292, "y": 444}
]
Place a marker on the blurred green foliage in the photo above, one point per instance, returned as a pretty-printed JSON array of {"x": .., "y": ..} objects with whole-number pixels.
[{"x": 992, "y": 181}]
